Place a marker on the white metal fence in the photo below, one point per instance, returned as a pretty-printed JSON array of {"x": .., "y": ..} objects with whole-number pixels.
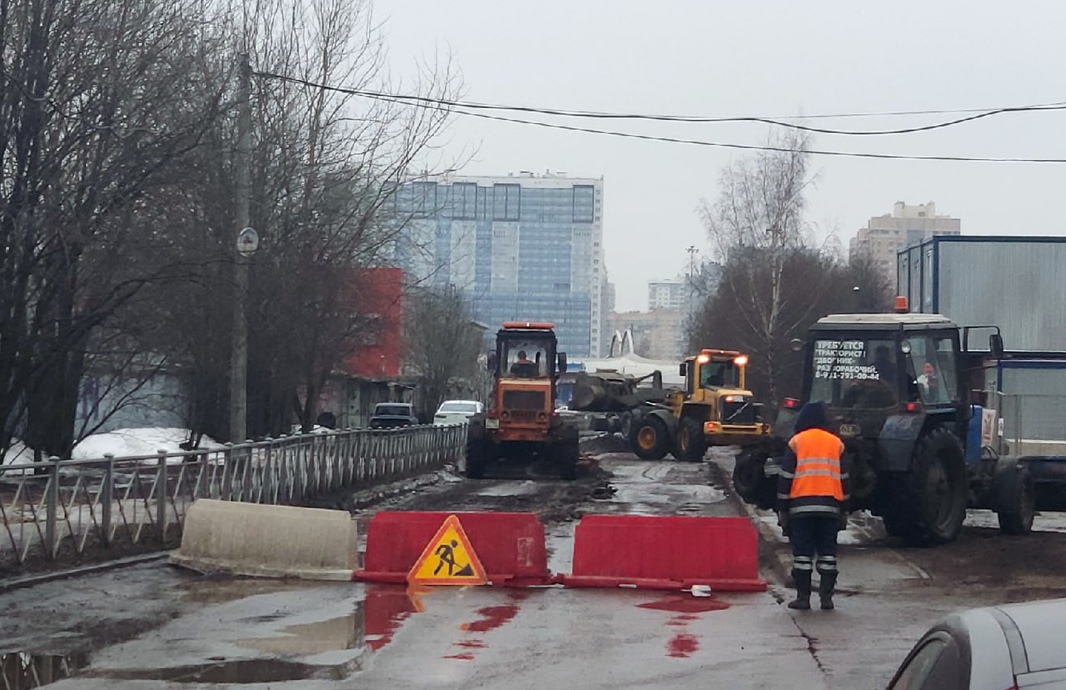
[{"x": 70, "y": 507}]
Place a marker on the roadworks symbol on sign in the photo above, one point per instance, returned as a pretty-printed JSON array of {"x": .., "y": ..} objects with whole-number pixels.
[{"x": 448, "y": 559}]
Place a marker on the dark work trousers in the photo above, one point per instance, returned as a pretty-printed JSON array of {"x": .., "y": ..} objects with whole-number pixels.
[{"x": 814, "y": 535}]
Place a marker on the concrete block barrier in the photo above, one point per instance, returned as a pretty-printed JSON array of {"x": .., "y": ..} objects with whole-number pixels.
[{"x": 268, "y": 541}]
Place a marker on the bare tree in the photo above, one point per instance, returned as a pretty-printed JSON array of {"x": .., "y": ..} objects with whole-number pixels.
[
  {"x": 774, "y": 282},
  {"x": 326, "y": 167},
  {"x": 442, "y": 344},
  {"x": 758, "y": 228},
  {"x": 116, "y": 196},
  {"x": 761, "y": 199},
  {"x": 99, "y": 100},
  {"x": 815, "y": 284},
  {"x": 872, "y": 288}
]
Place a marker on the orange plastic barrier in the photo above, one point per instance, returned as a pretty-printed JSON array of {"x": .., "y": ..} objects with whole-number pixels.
[{"x": 665, "y": 553}]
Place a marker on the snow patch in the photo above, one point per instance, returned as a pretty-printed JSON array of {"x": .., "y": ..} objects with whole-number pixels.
[
  {"x": 125, "y": 443},
  {"x": 18, "y": 452}
]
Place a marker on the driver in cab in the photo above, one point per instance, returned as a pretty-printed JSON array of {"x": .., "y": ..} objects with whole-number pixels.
[
  {"x": 930, "y": 383},
  {"x": 523, "y": 367}
]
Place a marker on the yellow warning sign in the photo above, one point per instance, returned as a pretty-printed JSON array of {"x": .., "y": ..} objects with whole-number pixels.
[{"x": 448, "y": 559}]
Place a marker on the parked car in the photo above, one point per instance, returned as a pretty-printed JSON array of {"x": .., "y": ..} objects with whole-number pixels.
[
  {"x": 393, "y": 415},
  {"x": 1008, "y": 647},
  {"x": 456, "y": 411}
]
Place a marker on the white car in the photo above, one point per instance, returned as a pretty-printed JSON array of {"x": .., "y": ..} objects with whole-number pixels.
[{"x": 457, "y": 411}]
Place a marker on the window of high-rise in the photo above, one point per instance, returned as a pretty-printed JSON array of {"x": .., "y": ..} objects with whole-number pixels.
[{"x": 520, "y": 248}]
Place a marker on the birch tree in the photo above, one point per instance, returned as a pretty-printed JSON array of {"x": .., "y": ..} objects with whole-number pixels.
[
  {"x": 775, "y": 281},
  {"x": 758, "y": 228},
  {"x": 326, "y": 166}
]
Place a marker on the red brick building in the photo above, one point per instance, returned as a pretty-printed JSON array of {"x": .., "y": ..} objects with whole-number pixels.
[{"x": 377, "y": 294}]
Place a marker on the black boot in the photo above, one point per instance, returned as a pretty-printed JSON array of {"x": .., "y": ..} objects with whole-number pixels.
[
  {"x": 802, "y": 601},
  {"x": 825, "y": 589}
]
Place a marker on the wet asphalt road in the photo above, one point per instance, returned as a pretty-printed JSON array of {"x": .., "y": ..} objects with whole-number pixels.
[{"x": 153, "y": 626}]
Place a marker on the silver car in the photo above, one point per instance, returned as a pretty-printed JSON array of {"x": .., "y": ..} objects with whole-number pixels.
[{"x": 1008, "y": 647}]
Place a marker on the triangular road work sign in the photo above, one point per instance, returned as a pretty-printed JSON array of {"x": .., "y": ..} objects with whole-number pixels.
[{"x": 448, "y": 559}]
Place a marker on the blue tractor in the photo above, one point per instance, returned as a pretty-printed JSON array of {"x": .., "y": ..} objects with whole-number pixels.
[{"x": 900, "y": 388}]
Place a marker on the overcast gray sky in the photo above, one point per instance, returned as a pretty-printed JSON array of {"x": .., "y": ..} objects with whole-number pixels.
[{"x": 764, "y": 58}]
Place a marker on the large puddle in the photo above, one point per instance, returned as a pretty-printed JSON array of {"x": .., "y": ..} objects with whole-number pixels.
[
  {"x": 218, "y": 589},
  {"x": 309, "y": 639},
  {"x": 238, "y": 671},
  {"x": 276, "y": 651},
  {"x": 287, "y": 648}
]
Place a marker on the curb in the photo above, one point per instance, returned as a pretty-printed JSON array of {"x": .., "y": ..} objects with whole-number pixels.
[
  {"x": 42, "y": 578},
  {"x": 774, "y": 552}
]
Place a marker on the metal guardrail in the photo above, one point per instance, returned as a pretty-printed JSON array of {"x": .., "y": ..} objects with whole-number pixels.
[{"x": 67, "y": 507}]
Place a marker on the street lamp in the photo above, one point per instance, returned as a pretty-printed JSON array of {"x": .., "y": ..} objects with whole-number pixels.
[{"x": 247, "y": 243}]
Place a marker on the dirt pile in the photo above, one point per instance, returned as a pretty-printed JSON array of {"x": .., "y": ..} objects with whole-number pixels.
[{"x": 604, "y": 443}]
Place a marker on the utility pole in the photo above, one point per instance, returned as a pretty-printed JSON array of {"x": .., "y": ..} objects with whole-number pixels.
[{"x": 247, "y": 242}]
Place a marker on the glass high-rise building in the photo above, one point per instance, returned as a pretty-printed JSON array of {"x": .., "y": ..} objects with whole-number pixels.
[{"x": 521, "y": 248}]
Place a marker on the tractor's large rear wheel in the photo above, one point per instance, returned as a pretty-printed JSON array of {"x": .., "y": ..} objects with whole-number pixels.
[
  {"x": 930, "y": 504},
  {"x": 691, "y": 443},
  {"x": 567, "y": 453},
  {"x": 478, "y": 448},
  {"x": 1013, "y": 498},
  {"x": 651, "y": 438},
  {"x": 750, "y": 480},
  {"x": 894, "y": 525}
]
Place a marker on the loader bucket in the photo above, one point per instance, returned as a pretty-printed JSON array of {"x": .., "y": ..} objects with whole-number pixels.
[{"x": 268, "y": 541}]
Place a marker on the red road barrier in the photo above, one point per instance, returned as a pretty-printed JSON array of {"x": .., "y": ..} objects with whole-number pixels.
[
  {"x": 665, "y": 553},
  {"x": 510, "y": 546}
]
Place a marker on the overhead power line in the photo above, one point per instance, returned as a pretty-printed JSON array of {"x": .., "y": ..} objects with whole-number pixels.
[
  {"x": 757, "y": 147},
  {"x": 765, "y": 120},
  {"x": 473, "y": 110},
  {"x": 971, "y": 114}
]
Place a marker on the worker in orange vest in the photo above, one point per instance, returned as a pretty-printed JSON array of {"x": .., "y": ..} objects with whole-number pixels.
[{"x": 813, "y": 490}]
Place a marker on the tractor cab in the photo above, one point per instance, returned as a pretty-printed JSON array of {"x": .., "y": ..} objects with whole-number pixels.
[
  {"x": 717, "y": 378},
  {"x": 713, "y": 369},
  {"x": 527, "y": 350},
  {"x": 871, "y": 369},
  {"x": 526, "y": 368}
]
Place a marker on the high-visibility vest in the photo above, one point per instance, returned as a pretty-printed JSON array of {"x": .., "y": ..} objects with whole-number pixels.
[{"x": 817, "y": 464}]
